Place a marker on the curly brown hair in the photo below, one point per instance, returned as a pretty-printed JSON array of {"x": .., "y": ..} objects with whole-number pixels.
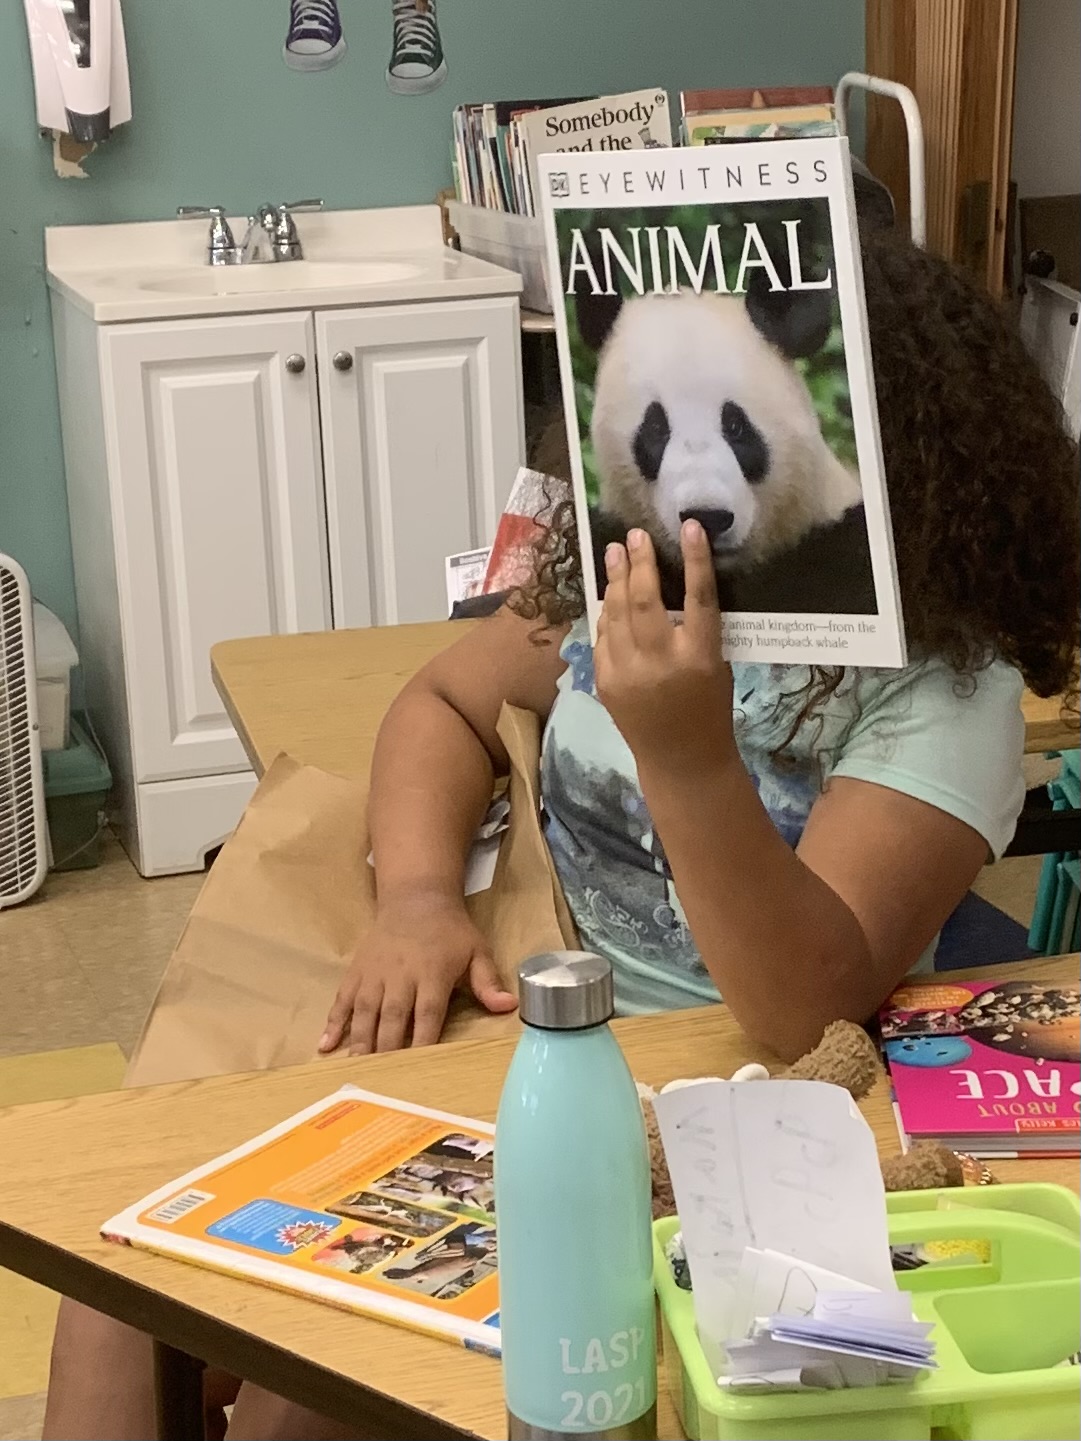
[{"x": 982, "y": 480}]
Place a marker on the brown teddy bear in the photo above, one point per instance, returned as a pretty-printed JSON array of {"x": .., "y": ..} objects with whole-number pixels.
[{"x": 846, "y": 1057}]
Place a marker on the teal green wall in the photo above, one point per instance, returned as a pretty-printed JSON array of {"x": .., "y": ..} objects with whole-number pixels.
[{"x": 219, "y": 119}]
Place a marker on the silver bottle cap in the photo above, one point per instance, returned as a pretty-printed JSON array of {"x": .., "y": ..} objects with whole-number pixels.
[{"x": 565, "y": 991}]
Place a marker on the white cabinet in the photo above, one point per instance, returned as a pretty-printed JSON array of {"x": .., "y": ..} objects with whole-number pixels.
[
  {"x": 257, "y": 474},
  {"x": 422, "y": 436},
  {"x": 215, "y": 454}
]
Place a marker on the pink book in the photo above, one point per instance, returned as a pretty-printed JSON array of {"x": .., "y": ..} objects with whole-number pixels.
[{"x": 988, "y": 1067}]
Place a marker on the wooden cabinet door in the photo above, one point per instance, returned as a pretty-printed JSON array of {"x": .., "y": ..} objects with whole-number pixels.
[
  {"x": 422, "y": 437},
  {"x": 957, "y": 57},
  {"x": 216, "y": 487}
]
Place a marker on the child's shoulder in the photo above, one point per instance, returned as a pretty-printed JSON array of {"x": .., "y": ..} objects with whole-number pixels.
[{"x": 931, "y": 687}]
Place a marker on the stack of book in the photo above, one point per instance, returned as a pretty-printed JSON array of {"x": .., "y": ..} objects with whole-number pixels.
[
  {"x": 719, "y": 117},
  {"x": 992, "y": 1068},
  {"x": 496, "y": 144}
]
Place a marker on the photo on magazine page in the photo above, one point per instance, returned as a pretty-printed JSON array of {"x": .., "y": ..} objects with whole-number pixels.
[{"x": 716, "y": 367}]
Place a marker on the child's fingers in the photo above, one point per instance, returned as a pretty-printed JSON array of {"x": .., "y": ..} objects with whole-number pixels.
[
  {"x": 701, "y": 611},
  {"x": 615, "y": 612},
  {"x": 430, "y": 1013},
  {"x": 364, "y": 1022},
  {"x": 395, "y": 1014},
  {"x": 650, "y": 625},
  {"x": 487, "y": 984},
  {"x": 340, "y": 1017}
]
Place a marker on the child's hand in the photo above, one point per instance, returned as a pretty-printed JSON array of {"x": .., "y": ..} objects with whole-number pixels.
[
  {"x": 404, "y": 973},
  {"x": 666, "y": 686}
]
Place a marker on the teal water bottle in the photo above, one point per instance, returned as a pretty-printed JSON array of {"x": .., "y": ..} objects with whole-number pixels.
[{"x": 572, "y": 1199}]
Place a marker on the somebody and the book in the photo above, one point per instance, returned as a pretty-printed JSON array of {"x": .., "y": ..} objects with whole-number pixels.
[{"x": 496, "y": 145}]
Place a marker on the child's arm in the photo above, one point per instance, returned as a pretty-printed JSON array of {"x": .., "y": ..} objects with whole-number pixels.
[
  {"x": 793, "y": 940},
  {"x": 435, "y": 762}
]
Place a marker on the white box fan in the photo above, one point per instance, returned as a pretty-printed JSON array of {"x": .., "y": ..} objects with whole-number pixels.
[{"x": 23, "y": 832}]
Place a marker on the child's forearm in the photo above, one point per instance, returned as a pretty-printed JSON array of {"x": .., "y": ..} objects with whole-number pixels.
[
  {"x": 431, "y": 784},
  {"x": 784, "y": 949}
]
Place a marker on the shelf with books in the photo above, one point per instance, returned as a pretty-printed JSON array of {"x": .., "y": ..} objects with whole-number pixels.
[
  {"x": 496, "y": 145},
  {"x": 721, "y": 117},
  {"x": 495, "y": 152}
]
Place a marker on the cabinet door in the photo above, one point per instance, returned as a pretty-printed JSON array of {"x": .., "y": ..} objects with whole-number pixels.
[
  {"x": 218, "y": 518},
  {"x": 422, "y": 437}
]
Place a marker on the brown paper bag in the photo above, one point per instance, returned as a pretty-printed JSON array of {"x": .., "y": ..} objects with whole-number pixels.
[{"x": 289, "y": 896}]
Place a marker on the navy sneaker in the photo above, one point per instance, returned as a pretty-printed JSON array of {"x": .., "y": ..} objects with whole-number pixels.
[
  {"x": 417, "y": 64},
  {"x": 315, "y": 40}
]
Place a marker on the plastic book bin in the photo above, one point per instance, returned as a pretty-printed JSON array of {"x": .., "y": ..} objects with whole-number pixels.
[
  {"x": 1001, "y": 1328},
  {"x": 516, "y": 242},
  {"x": 55, "y": 658}
]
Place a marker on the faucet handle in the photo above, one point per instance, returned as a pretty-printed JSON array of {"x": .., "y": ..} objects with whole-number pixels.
[
  {"x": 221, "y": 247},
  {"x": 287, "y": 244}
]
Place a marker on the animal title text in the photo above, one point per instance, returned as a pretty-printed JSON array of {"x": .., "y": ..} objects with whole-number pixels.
[{"x": 657, "y": 258}]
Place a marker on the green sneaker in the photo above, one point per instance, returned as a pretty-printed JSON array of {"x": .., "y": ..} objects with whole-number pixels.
[{"x": 416, "y": 64}]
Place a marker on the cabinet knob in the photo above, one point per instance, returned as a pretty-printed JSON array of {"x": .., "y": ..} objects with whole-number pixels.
[
  {"x": 295, "y": 364},
  {"x": 343, "y": 360}
]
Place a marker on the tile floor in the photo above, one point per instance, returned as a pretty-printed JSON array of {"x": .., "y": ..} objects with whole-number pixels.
[{"x": 79, "y": 966}]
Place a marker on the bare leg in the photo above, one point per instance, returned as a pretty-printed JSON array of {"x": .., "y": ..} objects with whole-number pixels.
[
  {"x": 102, "y": 1379},
  {"x": 261, "y": 1416}
]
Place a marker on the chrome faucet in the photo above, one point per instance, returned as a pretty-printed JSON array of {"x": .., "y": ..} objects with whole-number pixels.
[
  {"x": 220, "y": 246},
  {"x": 257, "y": 246},
  {"x": 271, "y": 234}
]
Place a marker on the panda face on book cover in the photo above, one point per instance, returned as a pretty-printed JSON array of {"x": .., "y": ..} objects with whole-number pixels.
[{"x": 719, "y": 392}]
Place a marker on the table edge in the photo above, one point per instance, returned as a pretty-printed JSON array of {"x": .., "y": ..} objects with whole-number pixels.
[
  {"x": 218, "y": 1342},
  {"x": 233, "y": 712}
]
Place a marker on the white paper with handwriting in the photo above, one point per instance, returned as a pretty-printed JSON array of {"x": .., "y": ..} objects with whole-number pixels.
[
  {"x": 769, "y": 1283},
  {"x": 788, "y": 1167}
]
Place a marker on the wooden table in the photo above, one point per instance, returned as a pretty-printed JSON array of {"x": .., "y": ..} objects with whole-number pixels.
[
  {"x": 69, "y": 1165},
  {"x": 320, "y": 698}
]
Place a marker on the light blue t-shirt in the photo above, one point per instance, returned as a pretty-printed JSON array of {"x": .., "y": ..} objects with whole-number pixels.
[{"x": 918, "y": 731}]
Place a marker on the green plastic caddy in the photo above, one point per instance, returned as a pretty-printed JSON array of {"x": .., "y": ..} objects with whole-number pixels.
[{"x": 1001, "y": 1329}]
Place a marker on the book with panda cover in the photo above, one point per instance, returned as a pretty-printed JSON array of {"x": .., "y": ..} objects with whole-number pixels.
[{"x": 716, "y": 365}]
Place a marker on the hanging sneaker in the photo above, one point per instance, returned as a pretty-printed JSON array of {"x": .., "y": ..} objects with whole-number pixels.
[
  {"x": 417, "y": 64},
  {"x": 315, "y": 40}
]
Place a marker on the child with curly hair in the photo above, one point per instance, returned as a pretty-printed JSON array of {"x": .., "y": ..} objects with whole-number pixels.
[{"x": 789, "y": 839}]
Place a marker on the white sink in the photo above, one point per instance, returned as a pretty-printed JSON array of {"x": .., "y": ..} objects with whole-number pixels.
[
  {"x": 270, "y": 276},
  {"x": 157, "y": 270}
]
